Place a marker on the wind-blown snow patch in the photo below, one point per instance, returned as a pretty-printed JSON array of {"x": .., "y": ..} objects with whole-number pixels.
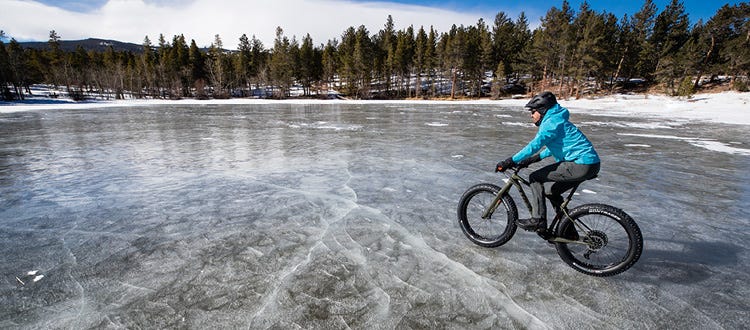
[
  {"x": 515, "y": 123},
  {"x": 436, "y": 124},
  {"x": 720, "y": 147},
  {"x": 703, "y": 143}
]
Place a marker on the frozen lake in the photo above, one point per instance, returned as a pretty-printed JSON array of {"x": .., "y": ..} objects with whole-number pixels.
[{"x": 344, "y": 216}]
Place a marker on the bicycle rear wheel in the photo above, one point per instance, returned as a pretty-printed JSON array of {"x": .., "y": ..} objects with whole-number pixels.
[
  {"x": 493, "y": 231},
  {"x": 609, "y": 241}
]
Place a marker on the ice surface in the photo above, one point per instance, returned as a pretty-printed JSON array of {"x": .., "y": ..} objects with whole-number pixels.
[{"x": 343, "y": 216}]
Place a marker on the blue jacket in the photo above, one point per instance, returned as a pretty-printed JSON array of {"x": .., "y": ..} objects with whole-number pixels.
[{"x": 563, "y": 140}]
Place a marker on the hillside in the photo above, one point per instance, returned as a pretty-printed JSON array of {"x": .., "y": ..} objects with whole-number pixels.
[{"x": 87, "y": 44}]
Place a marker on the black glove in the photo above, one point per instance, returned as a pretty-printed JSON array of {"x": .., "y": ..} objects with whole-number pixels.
[
  {"x": 504, "y": 165},
  {"x": 528, "y": 161}
]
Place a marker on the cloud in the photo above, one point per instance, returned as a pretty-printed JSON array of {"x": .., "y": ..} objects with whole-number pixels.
[{"x": 132, "y": 20}]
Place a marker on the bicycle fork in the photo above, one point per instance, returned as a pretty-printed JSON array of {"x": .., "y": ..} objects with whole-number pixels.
[{"x": 496, "y": 202}]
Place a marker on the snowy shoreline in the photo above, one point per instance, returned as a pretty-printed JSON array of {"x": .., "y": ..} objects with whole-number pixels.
[{"x": 725, "y": 107}]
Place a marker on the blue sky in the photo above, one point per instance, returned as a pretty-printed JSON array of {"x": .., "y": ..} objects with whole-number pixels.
[
  {"x": 202, "y": 20},
  {"x": 697, "y": 9}
]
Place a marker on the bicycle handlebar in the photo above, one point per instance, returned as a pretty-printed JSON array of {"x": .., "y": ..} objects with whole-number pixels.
[{"x": 516, "y": 169}]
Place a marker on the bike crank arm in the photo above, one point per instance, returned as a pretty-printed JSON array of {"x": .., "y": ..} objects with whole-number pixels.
[
  {"x": 548, "y": 236},
  {"x": 565, "y": 240}
]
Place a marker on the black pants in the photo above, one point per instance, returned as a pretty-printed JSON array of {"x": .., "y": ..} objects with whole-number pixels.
[{"x": 565, "y": 175}]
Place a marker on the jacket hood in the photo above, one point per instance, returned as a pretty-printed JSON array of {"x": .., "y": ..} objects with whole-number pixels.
[{"x": 557, "y": 111}]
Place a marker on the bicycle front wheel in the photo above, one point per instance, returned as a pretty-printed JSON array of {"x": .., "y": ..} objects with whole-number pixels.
[
  {"x": 608, "y": 240},
  {"x": 493, "y": 231}
]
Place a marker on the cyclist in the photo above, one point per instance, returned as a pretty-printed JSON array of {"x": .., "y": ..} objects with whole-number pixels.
[{"x": 575, "y": 157}]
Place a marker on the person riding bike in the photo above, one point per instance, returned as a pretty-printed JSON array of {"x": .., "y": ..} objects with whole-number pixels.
[{"x": 575, "y": 158}]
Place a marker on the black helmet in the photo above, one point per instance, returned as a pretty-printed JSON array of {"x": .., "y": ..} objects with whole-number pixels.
[{"x": 541, "y": 102}]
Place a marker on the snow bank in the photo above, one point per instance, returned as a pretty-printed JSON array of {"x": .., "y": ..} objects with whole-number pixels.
[{"x": 727, "y": 107}]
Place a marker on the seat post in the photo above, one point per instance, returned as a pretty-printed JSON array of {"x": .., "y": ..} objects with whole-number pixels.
[
  {"x": 572, "y": 191},
  {"x": 567, "y": 200}
]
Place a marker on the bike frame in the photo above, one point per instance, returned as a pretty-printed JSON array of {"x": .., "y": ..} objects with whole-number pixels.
[{"x": 517, "y": 181}]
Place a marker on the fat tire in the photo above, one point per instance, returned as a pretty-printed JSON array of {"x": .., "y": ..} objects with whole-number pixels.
[
  {"x": 502, "y": 223},
  {"x": 607, "y": 220}
]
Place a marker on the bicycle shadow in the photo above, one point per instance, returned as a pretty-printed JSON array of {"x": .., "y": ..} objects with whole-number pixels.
[{"x": 688, "y": 262}]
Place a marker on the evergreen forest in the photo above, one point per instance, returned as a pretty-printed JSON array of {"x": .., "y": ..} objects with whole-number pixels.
[{"x": 574, "y": 52}]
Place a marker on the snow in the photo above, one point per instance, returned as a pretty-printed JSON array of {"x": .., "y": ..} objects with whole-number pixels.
[
  {"x": 725, "y": 107},
  {"x": 703, "y": 143}
]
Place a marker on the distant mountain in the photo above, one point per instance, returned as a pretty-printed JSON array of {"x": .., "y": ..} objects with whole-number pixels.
[{"x": 99, "y": 45}]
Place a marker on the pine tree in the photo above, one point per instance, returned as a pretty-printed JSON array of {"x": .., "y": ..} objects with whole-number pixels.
[
  {"x": 453, "y": 48},
  {"x": 362, "y": 55},
  {"x": 588, "y": 31},
  {"x": 243, "y": 60},
  {"x": 180, "y": 66},
  {"x": 552, "y": 45},
  {"x": 294, "y": 62},
  {"x": 281, "y": 64},
  {"x": 431, "y": 59},
  {"x": 330, "y": 63},
  {"x": 696, "y": 55},
  {"x": 642, "y": 27},
  {"x": 504, "y": 43},
  {"x": 80, "y": 65},
  {"x": 57, "y": 70},
  {"x": 113, "y": 73},
  {"x": 317, "y": 68},
  {"x": 625, "y": 48},
  {"x": 518, "y": 56},
  {"x": 197, "y": 69},
  {"x": 387, "y": 47},
  {"x": 346, "y": 57},
  {"x": 5, "y": 71},
  {"x": 498, "y": 81},
  {"x": 19, "y": 68},
  {"x": 729, "y": 29},
  {"x": 307, "y": 66},
  {"x": 420, "y": 59},
  {"x": 477, "y": 55},
  {"x": 162, "y": 74},
  {"x": 469, "y": 63},
  {"x": 403, "y": 57},
  {"x": 258, "y": 60},
  {"x": 147, "y": 69},
  {"x": 216, "y": 68},
  {"x": 670, "y": 34}
]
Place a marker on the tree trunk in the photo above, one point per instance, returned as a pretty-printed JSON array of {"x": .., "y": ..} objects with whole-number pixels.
[
  {"x": 617, "y": 73},
  {"x": 703, "y": 65},
  {"x": 453, "y": 83}
]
